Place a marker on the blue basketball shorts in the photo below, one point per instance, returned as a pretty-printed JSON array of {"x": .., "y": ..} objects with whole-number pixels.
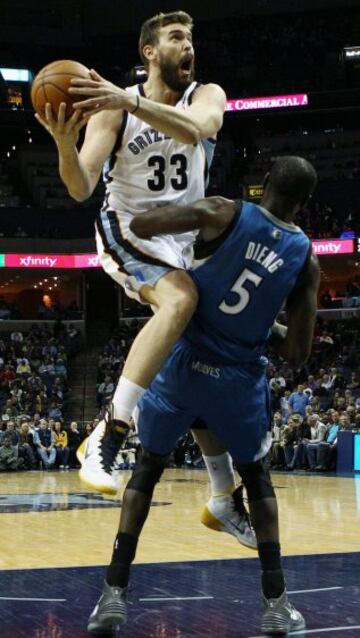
[{"x": 233, "y": 401}]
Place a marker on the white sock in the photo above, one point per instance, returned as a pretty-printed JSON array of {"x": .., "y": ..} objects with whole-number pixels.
[
  {"x": 127, "y": 396},
  {"x": 221, "y": 474}
]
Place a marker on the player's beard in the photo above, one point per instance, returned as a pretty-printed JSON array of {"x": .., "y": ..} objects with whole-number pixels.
[{"x": 170, "y": 74}]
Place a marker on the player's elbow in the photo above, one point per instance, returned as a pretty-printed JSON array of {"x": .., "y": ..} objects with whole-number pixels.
[
  {"x": 190, "y": 135},
  {"x": 79, "y": 196}
]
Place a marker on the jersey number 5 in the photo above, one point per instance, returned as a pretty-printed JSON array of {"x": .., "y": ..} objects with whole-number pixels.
[
  {"x": 242, "y": 293},
  {"x": 180, "y": 180}
]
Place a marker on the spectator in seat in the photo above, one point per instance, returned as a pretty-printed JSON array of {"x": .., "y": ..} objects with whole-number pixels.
[
  {"x": 326, "y": 383},
  {"x": 354, "y": 382},
  {"x": 54, "y": 411},
  {"x": 44, "y": 439},
  {"x": 298, "y": 401},
  {"x": 311, "y": 384},
  {"x": 303, "y": 436},
  {"x": 290, "y": 435},
  {"x": 12, "y": 433},
  {"x": 105, "y": 391},
  {"x": 276, "y": 432},
  {"x": 61, "y": 446},
  {"x": 26, "y": 450},
  {"x": 60, "y": 369},
  {"x": 9, "y": 457},
  {"x": 74, "y": 440},
  {"x": 318, "y": 430},
  {"x": 319, "y": 453},
  {"x": 87, "y": 430},
  {"x": 8, "y": 373},
  {"x": 23, "y": 368},
  {"x": 349, "y": 398},
  {"x": 350, "y": 413},
  {"x": 130, "y": 449},
  {"x": 16, "y": 337},
  {"x": 277, "y": 451},
  {"x": 285, "y": 408}
]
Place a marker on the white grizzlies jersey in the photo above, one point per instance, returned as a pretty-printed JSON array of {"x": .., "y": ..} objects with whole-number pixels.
[{"x": 148, "y": 169}]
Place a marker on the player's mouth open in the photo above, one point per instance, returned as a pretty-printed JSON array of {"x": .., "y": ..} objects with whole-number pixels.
[{"x": 185, "y": 67}]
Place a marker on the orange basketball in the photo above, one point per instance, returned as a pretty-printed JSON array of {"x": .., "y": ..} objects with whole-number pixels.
[{"x": 51, "y": 85}]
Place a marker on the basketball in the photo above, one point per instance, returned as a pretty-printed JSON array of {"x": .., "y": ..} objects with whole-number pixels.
[{"x": 51, "y": 84}]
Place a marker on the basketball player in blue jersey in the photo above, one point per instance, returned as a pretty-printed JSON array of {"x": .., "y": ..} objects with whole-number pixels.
[
  {"x": 250, "y": 261},
  {"x": 155, "y": 142}
]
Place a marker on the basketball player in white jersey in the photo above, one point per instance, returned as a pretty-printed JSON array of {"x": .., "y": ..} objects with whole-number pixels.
[{"x": 154, "y": 143}]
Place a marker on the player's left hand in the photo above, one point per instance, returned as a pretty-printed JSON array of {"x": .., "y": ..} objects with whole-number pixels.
[{"x": 103, "y": 95}]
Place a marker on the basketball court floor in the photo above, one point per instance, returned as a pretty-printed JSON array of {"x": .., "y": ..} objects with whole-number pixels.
[{"x": 188, "y": 582}]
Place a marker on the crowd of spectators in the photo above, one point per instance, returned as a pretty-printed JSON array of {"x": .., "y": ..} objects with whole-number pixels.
[
  {"x": 33, "y": 390},
  {"x": 321, "y": 220},
  {"x": 54, "y": 312},
  {"x": 32, "y": 443},
  {"x": 313, "y": 403},
  {"x": 112, "y": 358},
  {"x": 310, "y": 404},
  {"x": 9, "y": 310},
  {"x": 347, "y": 297}
]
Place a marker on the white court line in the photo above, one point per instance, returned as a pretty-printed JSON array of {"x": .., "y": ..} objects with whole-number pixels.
[
  {"x": 323, "y": 630},
  {"x": 159, "y": 600},
  {"x": 316, "y": 631},
  {"x": 305, "y": 591},
  {"x": 299, "y": 591},
  {"x": 36, "y": 600}
]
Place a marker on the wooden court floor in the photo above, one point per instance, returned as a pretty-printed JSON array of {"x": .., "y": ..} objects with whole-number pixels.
[{"x": 50, "y": 520}]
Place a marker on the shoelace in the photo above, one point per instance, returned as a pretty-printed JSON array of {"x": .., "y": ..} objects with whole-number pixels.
[
  {"x": 239, "y": 506},
  {"x": 109, "y": 447},
  {"x": 108, "y": 452}
]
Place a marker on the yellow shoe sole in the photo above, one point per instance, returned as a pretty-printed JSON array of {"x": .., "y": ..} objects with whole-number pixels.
[
  {"x": 104, "y": 489},
  {"x": 209, "y": 520}
]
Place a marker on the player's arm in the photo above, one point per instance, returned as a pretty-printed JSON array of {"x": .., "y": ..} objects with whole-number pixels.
[
  {"x": 80, "y": 171},
  {"x": 203, "y": 118},
  {"x": 293, "y": 342},
  {"x": 210, "y": 215}
]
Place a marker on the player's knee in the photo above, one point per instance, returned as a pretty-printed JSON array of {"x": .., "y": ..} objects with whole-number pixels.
[
  {"x": 147, "y": 473},
  {"x": 257, "y": 480},
  {"x": 183, "y": 302}
]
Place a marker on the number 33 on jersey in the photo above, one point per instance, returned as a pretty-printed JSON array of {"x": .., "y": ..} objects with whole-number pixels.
[{"x": 149, "y": 168}]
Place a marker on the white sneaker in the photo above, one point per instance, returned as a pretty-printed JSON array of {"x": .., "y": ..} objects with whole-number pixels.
[
  {"x": 227, "y": 513},
  {"x": 98, "y": 455}
]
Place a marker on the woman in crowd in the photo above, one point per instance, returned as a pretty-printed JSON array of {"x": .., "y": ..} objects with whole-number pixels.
[{"x": 61, "y": 446}]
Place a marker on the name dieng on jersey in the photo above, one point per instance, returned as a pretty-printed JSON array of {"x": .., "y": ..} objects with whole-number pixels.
[{"x": 263, "y": 255}]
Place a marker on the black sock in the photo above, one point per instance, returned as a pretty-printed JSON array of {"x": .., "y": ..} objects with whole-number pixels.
[
  {"x": 273, "y": 582},
  {"x": 123, "y": 555}
]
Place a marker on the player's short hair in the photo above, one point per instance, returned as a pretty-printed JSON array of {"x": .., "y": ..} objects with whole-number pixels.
[
  {"x": 293, "y": 178},
  {"x": 149, "y": 33}
]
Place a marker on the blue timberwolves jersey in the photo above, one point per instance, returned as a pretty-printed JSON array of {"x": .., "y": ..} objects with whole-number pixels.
[{"x": 244, "y": 284}]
